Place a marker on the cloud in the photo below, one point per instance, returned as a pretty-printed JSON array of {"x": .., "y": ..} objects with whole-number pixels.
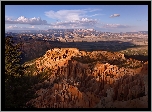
[
  {"x": 83, "y": 23},
  {"x": 115, "y": 26},
  {"x": 24, "y": 20},
  {"x": 115, "y": 15},
  {"x": 69, "y": 15},
  {"x": 95, "y": 15},
  {"x": 66, "y": 15},
  {"x": 72, "y": 18},
  {"x": 92, "y": 10}
]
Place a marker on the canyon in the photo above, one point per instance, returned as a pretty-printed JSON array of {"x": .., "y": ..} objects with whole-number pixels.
[{"x": 98, "y": 79}]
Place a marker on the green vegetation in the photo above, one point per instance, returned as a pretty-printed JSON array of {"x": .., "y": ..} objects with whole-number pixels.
[
  {"x": 12, "y": 58},
  {"x": 19, "y": 80},
  {"x": 138, "y": 50},
  {"x": 102, "y": 59},
  {"x": 134, "y": 52}
]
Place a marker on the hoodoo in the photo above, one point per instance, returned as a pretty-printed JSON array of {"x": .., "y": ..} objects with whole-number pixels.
[{"x": 91, "y": 80}]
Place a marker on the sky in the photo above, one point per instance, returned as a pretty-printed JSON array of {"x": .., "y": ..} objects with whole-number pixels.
[{"x": 106, "y": 18}]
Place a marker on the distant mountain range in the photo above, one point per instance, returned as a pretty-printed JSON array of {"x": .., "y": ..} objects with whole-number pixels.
[{"x": 39, "y": 31}]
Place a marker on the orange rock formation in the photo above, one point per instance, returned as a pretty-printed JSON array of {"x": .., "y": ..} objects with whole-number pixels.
[{"x": 88, "y": 85}]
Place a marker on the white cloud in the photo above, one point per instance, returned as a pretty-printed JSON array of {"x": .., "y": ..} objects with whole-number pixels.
[
  {"x": 73, "y": 18},
  {"x": 115, "y": 15},
  {"x": 92, "y": 10},
  {"x": 69, "y": 15},
  {"x": 24, "y": 20},
  {"x": 96, "y": 15},
  {"x": 66, "y": 15},
  {"x": 83, "y": 23}
]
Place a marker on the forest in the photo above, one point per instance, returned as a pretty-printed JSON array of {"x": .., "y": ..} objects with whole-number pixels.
[{"x": 18, "y": 83}]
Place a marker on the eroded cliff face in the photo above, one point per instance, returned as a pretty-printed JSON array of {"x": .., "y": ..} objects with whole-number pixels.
[{"x": 82, "y": 79}]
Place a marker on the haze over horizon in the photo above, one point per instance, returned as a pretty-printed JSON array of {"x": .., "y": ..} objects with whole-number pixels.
[{"x": 106, "y": 18}]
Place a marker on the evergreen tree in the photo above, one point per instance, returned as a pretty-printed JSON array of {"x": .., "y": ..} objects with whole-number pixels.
[
  {"x": 12, "y": 58},
  {"x": 18, "y": 85},
  {"x": 13, "y": 70}
]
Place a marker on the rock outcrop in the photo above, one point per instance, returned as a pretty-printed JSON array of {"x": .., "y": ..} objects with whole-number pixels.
[{"x": 74, "y": 83}]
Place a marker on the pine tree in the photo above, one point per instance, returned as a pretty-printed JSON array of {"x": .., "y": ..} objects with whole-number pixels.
[
  {"x": 12, "y": 58},
  {"x": 13, "y": 71},
  {"x": 18, "y": 85}
]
